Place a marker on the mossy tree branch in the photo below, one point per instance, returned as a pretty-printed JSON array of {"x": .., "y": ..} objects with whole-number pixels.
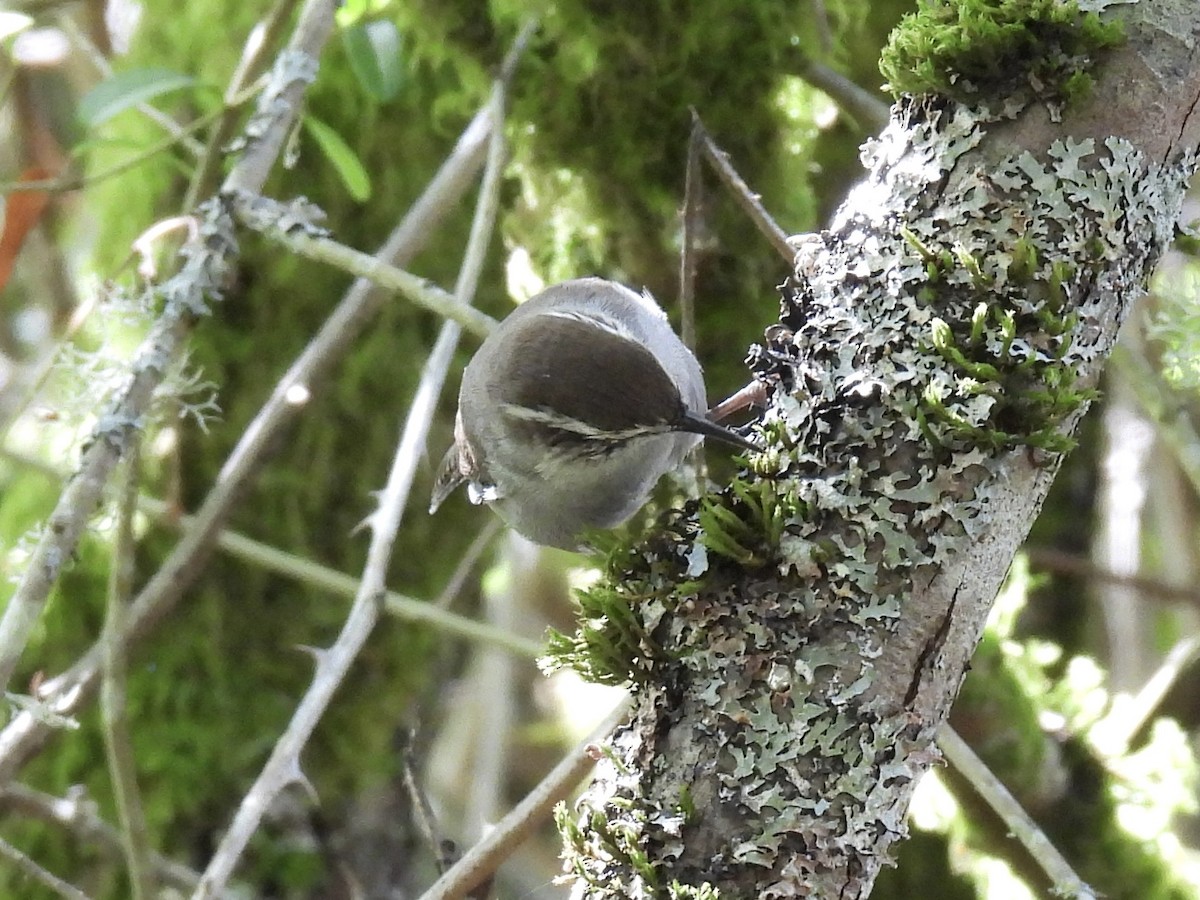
[{"x": 797, "y": 644}]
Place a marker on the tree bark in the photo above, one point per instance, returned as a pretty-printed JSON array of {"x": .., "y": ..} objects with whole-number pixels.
[{"x": 936, "y": 349}]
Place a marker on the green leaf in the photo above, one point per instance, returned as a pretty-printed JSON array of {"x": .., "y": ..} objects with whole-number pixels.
[
  {"x": 126, "y": 89},
  {"x": 345, "y": 161},
  {"x": 373, "y": 49}
]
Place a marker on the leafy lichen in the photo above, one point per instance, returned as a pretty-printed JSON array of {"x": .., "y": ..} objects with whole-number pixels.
[{"x": 767, "y": 703}]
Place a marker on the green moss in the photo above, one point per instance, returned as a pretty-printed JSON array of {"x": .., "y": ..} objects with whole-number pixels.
[
  {"x": 644, "y": 580},
  {"x": 971, "y": 48},
  {"x": 613, "y": 643},
  {"x": 618, "y": 842},
  {"x": 1016, "y": 364},
  {"x": 746, "y": 527}
]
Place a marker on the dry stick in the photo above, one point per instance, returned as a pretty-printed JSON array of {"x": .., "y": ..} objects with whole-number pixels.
[
  {"x": 421, "y": 291},
  {"x": 135, "y": 840},
  {"x": 185, "y": 294},
  {"x": 746, "y": 198},
  {"x": 478, "y": 864},
  {"x": 314, "y": 575},
  {"x": 959, "y": 755},
  {"x": 78, "y": 815},
  {"x": 333, "y": 664},
  {"x": 65, "y": 694},
  {"x": 35, "y": 872},
  {"x": 693, "y": 199}
]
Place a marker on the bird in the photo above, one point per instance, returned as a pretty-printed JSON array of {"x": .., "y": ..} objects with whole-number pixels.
[{"x": 572, "y": 409}]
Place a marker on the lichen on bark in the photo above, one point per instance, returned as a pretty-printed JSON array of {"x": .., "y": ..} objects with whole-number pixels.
[{"x": 934, "y": 351}]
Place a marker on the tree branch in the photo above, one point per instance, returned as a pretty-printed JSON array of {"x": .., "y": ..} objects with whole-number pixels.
[
  {"x": 186, "y": 296},
  {"x": 937, "y": 347},
  {"x": 333, "y": 664}
]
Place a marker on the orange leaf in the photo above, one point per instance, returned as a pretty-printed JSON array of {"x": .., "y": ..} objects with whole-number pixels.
[{"x": 22, "y": 211}]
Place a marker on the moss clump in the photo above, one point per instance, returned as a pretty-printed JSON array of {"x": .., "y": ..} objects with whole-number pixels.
[
  {"x": 1028, "y": 390},
  {"x": 614, "y": 644},
  {"x": 968, "y": 48}
]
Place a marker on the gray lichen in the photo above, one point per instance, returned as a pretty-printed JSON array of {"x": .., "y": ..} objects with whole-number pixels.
[{"x": 949, "y": 325}]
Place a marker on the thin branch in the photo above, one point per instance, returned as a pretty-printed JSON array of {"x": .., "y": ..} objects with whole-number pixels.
[
  {"x": 78, "y": 815},
  {"x": 435, "y": 614},
  {"x": 693, "y": 203},
  {"x": 283, "y": 767},
  {"x": 185, "y": 295},
  {"x": 493, "y": 688},
  {"x": 75, "y": 182},
  {"x": 466, "y": 565},
  {"x": 819, "y": 15},
  {"x": 135, "y": 840},
  {"x": 871, "y": 112},
  {"x": 99, "y": 62},
  {"x": 1128, "y": 723},
  {"x": 265, "y": 215},
  {"x": 1069, "y": 564},
  {"x": 749, "y": 201},
  {"x": 478, "y": 864},
  {"x": 18, "y": 396},
  {"x": 66, "y": 693},
  {"x": 422, "y": 810},
  {"x": 35, "y": 872},
  {"x": 279, "y": 106},
  {"x": 1169, "y": 411},
  {"x": 1059, "y": 872}
]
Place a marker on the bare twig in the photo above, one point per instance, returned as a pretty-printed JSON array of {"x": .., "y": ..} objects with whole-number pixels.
[
  {"x": 135, "y": 840},
  {"x": 820, "y": 23},
  {"x": 467, "y": 563},
  {"x": 746, "y": 198},
  {"x": 1069, "y": 564},
  {"x": 35, "y": 872},
  {"x": 25, "y": 732},
  {"x": 283, "y": 767},
  {"x": 426, "y": 821},
  {"x": 693, "y": 203},
  {"x": 1059, "y": 872},
  {"x": 420, "y": 291},
  {"x": 1169, "y": 411},
  {"x": 185, "y": 295},
  {"x": 314, "y": 575},
  {"x": 96, "y": 57},
  {"x": 494, "y": 689},
  {"x": 1132, "y": 718},
  {"x": 21, "y": 392},
  {"x": 478, "y": 864},
  {"x": 77, "y": 813},
  {"x": 75, "y": 181},
  {"x": 870, "y": 111}
]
